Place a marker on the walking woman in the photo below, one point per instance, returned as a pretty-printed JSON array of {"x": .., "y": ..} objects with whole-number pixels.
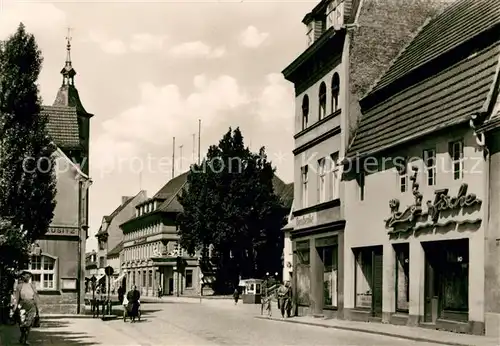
[{"x": 27, "y": 301}]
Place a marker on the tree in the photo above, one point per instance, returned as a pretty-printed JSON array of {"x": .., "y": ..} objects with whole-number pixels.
[
  {"x": 27, "y": 180},
  {"x": 229, "y": 203}
]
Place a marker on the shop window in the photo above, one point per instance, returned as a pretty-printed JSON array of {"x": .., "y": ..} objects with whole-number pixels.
[
  {"x": 321, "y": 180},
  {"x": 101, "y": 262},
  {"x": 322, "y": 101},
  {"x": 305, "y": 111},
  {"x": 42, "y": 269},
  {"x": 303, "y": 275},
  {"x": 329, "y": 257},
  {"x": 457, "y": 158},
  {"x": 402, "y": 277},
  {"x": 430, "y": 164},
  {"x": 189, "y": 278},
  {"x": 368, "y": 277},
  {"x": 150, "y": 279}
]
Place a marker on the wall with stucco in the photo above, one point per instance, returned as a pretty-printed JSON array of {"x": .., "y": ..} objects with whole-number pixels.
[{"x": 366, "y": 226}]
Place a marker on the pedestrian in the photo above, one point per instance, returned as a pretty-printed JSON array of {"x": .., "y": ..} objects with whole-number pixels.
[
  {"x": 133, "y": 297},
  {"x": 27, "y": 301},
  {"x": 284, "y": 299},
  {"x": 236, "y": 296},
  {"x": 159, "y": 291},
  {"x": 121, "y": 293}
]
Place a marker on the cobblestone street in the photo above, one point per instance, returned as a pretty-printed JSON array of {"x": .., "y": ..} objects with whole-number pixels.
[{"x": 191, "y": 323}]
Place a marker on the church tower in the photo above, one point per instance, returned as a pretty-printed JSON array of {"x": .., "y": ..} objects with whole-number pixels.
[{"x": 68, "y": 97}]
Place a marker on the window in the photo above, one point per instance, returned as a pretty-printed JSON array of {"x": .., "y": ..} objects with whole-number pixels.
[
  {"x": 101, "y": 262},
  {"x": 457, "y": 157},
  {"x": 305, "y": 111},
  {"x": 42, "y": 269},
  {"x": 430, "y": 164},
  {"x": 361, "y": 184},
  {"x": 144, "y": 277},
  {"x": 334, "y": 13},
  {"x": 310, "y": 34},
  {"x": 189, "y": 278},
  {"x": 150, "y": 278},
  {"x": 334, "y": 176},
  {"x": 322, "y": 100},
  {"x": 335, "y": 92},
  {"x": 101, "y": 245},
  {"x": 304, "y": 172},
  {"x": 329, "y": 256},
  {"x": 403, "y": 176},
  {"x": 330, "y": 14},
  {"x": 321, "y": 180}
]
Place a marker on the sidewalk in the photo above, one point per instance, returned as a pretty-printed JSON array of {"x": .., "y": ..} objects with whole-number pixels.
[{"x": 410, "y": 333}]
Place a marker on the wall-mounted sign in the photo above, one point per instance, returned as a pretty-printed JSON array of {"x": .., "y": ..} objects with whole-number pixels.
[
  {"x": 68, "y": 284},
  {"x": 62, "y": 231},
  {"x": 307, "y": 220},
  {"x": 140, "y": 241},
  {"x": 406, "y": 221}
]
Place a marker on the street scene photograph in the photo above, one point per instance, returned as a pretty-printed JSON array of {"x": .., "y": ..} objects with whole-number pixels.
[{"x": 247, "y": 172}]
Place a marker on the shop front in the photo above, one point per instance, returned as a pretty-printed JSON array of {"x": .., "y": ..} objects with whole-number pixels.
[
  {"x": 421, "y": 264},
  {"x": 318, "y": 266}
]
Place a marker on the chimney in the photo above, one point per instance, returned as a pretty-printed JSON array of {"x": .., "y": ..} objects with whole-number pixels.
[{"x": 125, "y": 198}]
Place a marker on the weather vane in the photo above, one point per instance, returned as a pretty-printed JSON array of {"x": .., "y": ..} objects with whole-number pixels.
[{"x": 68, "y": 38}]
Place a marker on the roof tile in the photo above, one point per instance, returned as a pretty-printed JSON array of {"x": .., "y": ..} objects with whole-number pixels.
[
  {"x": 445, "y": 99},
  {"x": 458, "y": 23},
  {"x": 62, "y": 125}
]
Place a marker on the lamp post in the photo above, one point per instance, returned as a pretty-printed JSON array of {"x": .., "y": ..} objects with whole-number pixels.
[
  {"x": 200, "y": 277},
  {"x": 109, "y": 271}
]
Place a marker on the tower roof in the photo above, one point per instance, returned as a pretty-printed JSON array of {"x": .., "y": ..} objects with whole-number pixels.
[{"x": 68, "y": 96}]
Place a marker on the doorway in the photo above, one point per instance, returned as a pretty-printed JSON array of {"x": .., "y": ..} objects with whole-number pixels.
[
  {"x": 368, "y": 279},
  {"x": 446, "y": 280},
  {"x": 170, "y": 286}
]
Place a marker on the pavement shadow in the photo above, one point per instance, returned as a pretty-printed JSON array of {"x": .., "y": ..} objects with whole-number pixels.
[{"x": 46, "y": 334}]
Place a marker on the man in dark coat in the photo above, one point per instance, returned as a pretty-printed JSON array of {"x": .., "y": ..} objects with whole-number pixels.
[{"x": 133, "y": 297}]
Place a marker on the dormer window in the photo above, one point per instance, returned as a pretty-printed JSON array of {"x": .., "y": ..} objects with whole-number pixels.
[
  {"x": 335, "y": 14},
  {"x": 310, "y": 33}
]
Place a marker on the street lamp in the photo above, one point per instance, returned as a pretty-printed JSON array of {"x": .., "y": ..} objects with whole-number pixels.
[{"x": 109, "y": 271}]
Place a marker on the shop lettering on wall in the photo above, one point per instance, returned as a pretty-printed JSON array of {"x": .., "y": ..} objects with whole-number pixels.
[
  {"x": 305, "y": 220},
  {"x": 62, "y": 231},
  {"x": 406, "y": 220},
  {"x": 140, "y": 241}
]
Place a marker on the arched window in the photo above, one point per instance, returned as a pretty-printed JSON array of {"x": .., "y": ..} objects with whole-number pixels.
[
  {"x": 335, "y": 92},
  {"x": 322, "y": 100},
  {"x": 42, "y": 269},
  {"x": 305, "y": 111}
]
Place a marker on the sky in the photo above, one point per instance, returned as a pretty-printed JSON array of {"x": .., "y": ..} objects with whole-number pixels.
[{"x": 149, "y": 70}]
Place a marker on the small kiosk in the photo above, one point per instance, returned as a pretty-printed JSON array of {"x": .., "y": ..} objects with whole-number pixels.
[{"x": 252, "y": 291}]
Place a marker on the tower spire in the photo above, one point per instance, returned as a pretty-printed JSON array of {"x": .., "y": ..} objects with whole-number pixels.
[
  {"x": 68, "y": 49},
  {"x": 68, "y": 71}
]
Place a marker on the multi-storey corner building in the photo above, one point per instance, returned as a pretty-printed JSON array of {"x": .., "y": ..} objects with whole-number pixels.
[
  {"x": 151, "y": 245},
  {"x": 349, "y": 44},
  {"x": 421, "y": 181},
  {"x": 110, "y": 236}
]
